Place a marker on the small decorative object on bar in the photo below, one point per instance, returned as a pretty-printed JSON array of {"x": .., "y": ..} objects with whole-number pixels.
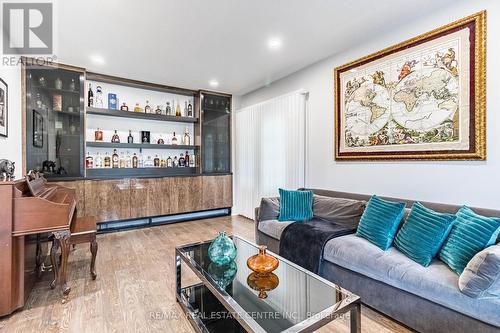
[
  {"x": 160, "y": 140},
  {"x": 37, "y": 129},
  {"x": 186, "y": 139},
  {"x": 222, "y": 250},
  {"x": 147, "y": 108},
  {"x": 90, "y": 96},
  {"x": 3, "y": 108},
  {"x": 58, "y": 83},
  {"x": 168, "y": 109},
  {"x": 186, "y": 159},
  {"x": 107, "y": 161},
  {"x": 190, "y": 110},
  {"x": 89, "y": 161},
  {"x": 49, "y": 166},
  {"x": 98, "y": 135},
  {"x": 137, "y": 108},
  {"x": 57, "y": 102},
  {"x": 262, "y": 263},
  {"x": 135, "y": 161},
  {"x": 223, "y": 274},
  {"x": 158, "y": 110},
  {"x": 263, "y": 283},
  {"x": 182, "y": 161},
  {"x": 421, "y": 99},
  {"x": 124, "y": 107},
  {"x": 170, "y": 162},
  {"x": 112, "y": 102},
  {"x": 174, "y": 139},
  {"x": 7, "y": 169},
  {"x": 115, "y": 138},
  {"x": 156, "y": 161},
  {"x": 98, "y": 97},
  {"x": 130, "y": 138},
  {"x": 178, "y": 110},
  {"x": 145, "y": 137},
  {"x": 115, "y": 160}
]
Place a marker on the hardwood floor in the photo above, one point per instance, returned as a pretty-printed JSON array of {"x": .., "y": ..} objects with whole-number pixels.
[{"x": 135, "y": 286}]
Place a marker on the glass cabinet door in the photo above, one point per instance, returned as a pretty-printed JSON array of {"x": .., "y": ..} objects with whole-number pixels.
[
  {"x": 216, "y": 133},
  {"x": 54, "y": 122}
]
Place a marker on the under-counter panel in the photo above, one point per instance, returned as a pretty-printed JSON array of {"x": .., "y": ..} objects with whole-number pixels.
[
  {"x": 185, "y": 194},
  {"x": 108, "y": 200},
  {"x": 217, "y": 191},
  {"x": 149, "y": 197}
]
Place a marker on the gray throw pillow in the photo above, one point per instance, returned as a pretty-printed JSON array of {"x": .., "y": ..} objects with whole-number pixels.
[
  {"x": 481, "y": 277},
  {"x": 339, "y": 210},
  {"x": 269, "y": 209}
]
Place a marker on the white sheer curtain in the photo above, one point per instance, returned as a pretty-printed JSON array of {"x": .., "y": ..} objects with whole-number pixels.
[{"x": 269, "y": 149}]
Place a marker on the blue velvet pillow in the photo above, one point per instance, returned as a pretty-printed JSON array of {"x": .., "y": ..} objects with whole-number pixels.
[
  {"x": 423, "y": 234},
  {"x": 380, "y": 220},
  {"x": 471, "y": 234},
  {"x": 295, "y": 205}
]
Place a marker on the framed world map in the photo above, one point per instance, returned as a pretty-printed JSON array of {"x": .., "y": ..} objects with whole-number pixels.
[{"x": 421, "y": 99}]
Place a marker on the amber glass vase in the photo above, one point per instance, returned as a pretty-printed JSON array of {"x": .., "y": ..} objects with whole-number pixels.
[
  {"x": 262, "y": 263},
  {"x": 263, "y": 283}
]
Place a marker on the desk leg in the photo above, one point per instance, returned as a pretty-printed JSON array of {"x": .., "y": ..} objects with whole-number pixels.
[
  {"x": 356, "y": 319},
  {"x": 63, "y": 237}
]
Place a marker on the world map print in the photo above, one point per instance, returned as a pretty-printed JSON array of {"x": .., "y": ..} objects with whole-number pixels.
[{"x": 409, "y": 100}]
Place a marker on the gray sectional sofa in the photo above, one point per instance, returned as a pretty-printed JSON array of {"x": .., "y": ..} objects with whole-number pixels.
[{"x": 424, "y": 299}]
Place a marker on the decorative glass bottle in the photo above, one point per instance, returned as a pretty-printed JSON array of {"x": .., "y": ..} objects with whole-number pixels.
[
  {"x": 98, "y": 97},
  {"x": 174, "y": 139},
  {"x": 147, "y": 108},
  {"x": 222, "y": 250},
  {"x": 107, "y": 161},
  {"x": 89, "y": 161},
  {"x": 223, "y": 275},
  {"x": 130, "y": 138},
  {"x": 115, "y": 138},
  {"x": 98, "y": 136},
  {"x": 190, "y": 110},
  {"x": 98, "y": 161},
  {"x": 115, "y": 160},
  {"x": 137, "y": 108},
  {"x": 135, "y": 161},
  {"x": 169, "y": 162},
  {"x": 168, "y": 109},
  {"x": 124, "y": 107},
  {"x": 262, "y": 263},
  {"x": 158, "y": 110},
  {"x": 186, "y": 138},
  {"x": 175, "y": 162},
  {"x": 178, "y": 110},
  {"x": 160, "y": 140}
]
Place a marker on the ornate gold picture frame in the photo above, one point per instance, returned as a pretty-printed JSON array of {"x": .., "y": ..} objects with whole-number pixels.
[{"x": 423, "y": 99}]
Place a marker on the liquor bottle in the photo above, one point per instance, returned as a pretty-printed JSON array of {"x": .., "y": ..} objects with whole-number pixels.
[
  {"x": 135, "y": 161},
  {"x": 190, "y": 110},
  {"x": 130, "y": 138},
  {"x": 192, "y": 161},
  {"x": 175, "y": 162},
  {"x": 137, "y": 108},
  {"x": 169, "y": 162},
  {"x": 182, "y": 161},
  {"x": 115, "y": 160},
  {"x": 98, "y": 161},
  {"x": 162, "y": 162},
  {"x": 185, "y": 108},
  {"x": 107, "y": 161},
  {"x": 89, "y": 161},
  {"x": 160, "y": 141},
  {"x": 128, "y": 161},
  {"x": 148, "y": 163},
  {"x": 186, "y": 139},
  {"x": 72, "y": 85},
  {"x": 58, "y": 84},
  {"x": 122, "y": 160},
  {"x": 168, "y": 109},
  {"x": 90, "y": 96},
  {"x": 186, "y": 160},
  {"x": 147, "y": 108},
  {"x": 158, "y": 110},
  {"x": 98, "y": 97},
  {"x": 174, "y": 140},
  {"x": 98, "y": 136},
  {"x": 141, "y": 159},
  {"x": 124, "y": 107},
  {"x": 178, "y": 110},
  {"x": 156, "y": 161},
  {"x": 115, "y": 138}
]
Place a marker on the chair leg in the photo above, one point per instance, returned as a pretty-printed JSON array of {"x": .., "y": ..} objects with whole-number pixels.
[
  {"x": 53, "y": 259},
  {"x": 93, "y": 250}
]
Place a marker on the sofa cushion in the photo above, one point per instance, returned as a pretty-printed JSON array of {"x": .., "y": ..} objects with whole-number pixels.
[
  {"x": 423, "y": 234},
  {"x": 269, "y": 209},
  {"x": 471, "y": 234},
  {"x": 295, "y": 205},
  {"x": 380, "y": 220},
  {"x": 436, "y": 283},
  {"x": 346, "y": 212},
  {"x": 273, "y": 228},
  {"x": 481, "y": 277}
]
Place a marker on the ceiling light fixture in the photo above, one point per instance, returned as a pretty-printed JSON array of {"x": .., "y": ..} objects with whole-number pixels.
[
  {"x": 213, "y": 83},
  {"x": 97, "y": 59},
  {"x": 274, "y": 43}
]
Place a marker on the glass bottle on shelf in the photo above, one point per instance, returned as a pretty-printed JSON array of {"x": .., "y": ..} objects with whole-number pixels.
[
  {"x": 115, "y": 160},
  {"x": 137, "y": 108},
  {"x": 107, "y": 161},
  {"x": 98, "y": 161},
  {"x": 186, "y": 160},
  {"x": 168, "y": 109},
  {"x": 122, "y": 160},
  {"x": 38, "y": 101},
  {"x": 186, "y": 138},
  {"x": 160, "y": 140},
  {"x": 192, "y": 161},
  {"x": 41, "y": 81},
  {"x": 98, "y": 136},
  {"x": 148, "y": 163},
  {"x": 89, "y": 161},
  {"x": 124, "y": 107},
  {"x": 175, "y": 162},
  {"x": 130, "y": 138},
  {"x": 135, "y": 161},
  {"x": 162, "y": 162},
  {"x": 181, "y": 160},
  {"x": 190, "y": 110},
  {"x": 115, "y": 138},
  {"x": 158, "y": 110},
  {"x": 178, "y": 110},
  {"x": 58, "y": 83},
  {"x": 72, "y": 85},
  {"x": 185, "y": 108},
  {"x": 90, "y": 96},
  {"x": 169, "y": 162},
  {"x": 128, "y": 161},
  {"x": 98, "y": 97},
  {"x": 147, "y": 108},
  {"x": 141, "y": 159},
  {"x": 174, "y": 139},
  {"x": 156, "y": 161}
]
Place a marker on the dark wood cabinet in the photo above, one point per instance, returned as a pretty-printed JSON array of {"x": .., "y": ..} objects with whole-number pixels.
[
  {"x": 217, "y": 191},
  {"x": 185, "y": 194},
  {"x": 108, "y": 200},
  {"x": 149, "y": 197}
]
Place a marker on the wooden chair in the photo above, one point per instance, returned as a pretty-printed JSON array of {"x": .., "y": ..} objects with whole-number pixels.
[{"x": 83, "y": 230}]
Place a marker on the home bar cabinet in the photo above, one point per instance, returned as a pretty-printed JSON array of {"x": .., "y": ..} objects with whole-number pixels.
[{"x": 136, "y": 153}]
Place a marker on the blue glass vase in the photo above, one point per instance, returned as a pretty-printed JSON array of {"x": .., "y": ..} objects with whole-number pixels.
[
  {"x": 223, "y": 275},
  {"x": 222, "y": 250}
]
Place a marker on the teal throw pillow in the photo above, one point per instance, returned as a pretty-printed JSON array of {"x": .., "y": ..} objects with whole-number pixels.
[
  {"x": 471, "y": 234},
  {"x": 380, "y": 220},
  {"x": 295, "y": 205},
  {"x": 423, "y": 234}
]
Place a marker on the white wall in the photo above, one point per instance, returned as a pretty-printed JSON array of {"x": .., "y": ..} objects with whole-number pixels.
[
  {"x": 11, "y": 147},
  {"x": 471, "y": 183}
]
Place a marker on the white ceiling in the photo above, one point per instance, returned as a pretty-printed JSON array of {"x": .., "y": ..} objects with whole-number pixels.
[{"x": 187, "y": 43}]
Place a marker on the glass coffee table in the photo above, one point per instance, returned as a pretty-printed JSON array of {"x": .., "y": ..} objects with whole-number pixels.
[{"x": 231, "y": 298}]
